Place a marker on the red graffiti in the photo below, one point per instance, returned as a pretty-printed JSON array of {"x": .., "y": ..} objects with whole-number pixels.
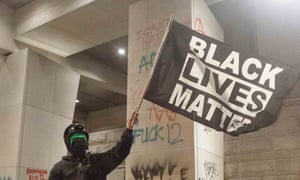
[
  {"x": 199, "y": 26},
  {"x": 36, "y": 174},
  {"x": 160, "y": 113},
  {"x": 152, "y": 34}
]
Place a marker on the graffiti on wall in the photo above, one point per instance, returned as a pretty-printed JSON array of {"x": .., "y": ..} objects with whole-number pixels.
[
  {"x": 199, "y": 26},
  {"x": 104, "y": 140},
  {"x": 170, "y": 133},
  {"x": 98, "y": 141},
  {"x": 152, "y": 34},
  {"x": 210, "y": 169},
  {"x": 168, "y": 169},
  {"x": 5, "y": 178},
  {"x": 36, "y": 174},
  {"x": 159, "y": 114},
  {"x": 146, "y": 62}
]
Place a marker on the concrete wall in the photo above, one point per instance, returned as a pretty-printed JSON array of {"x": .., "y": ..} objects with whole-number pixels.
[
  {"x": 50, "y": 95},
  {"x": 13, "y": 72},
  {"x": 37, "y": 103},
  {"x": 107, "y": 118},
  {"x": 163, "y": 139},
  {"x": 161, "y": 136},
  {"x": 271, "y": 153}
]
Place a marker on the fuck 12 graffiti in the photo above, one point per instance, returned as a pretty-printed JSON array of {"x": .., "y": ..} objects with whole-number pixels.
[{"x": 170, "y": 133}]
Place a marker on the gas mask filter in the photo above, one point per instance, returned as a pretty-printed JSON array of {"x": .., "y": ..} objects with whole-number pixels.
[{"x": 79, "y": 144}]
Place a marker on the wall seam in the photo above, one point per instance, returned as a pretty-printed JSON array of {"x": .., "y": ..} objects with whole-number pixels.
[{"x": 22, "y": 126}]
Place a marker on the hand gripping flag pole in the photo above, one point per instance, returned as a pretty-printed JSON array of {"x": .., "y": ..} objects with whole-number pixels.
[{"x": 155, "y": 62}]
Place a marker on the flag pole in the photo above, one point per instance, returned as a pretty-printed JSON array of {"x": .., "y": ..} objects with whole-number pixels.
[{"x": 155, "y": 62}]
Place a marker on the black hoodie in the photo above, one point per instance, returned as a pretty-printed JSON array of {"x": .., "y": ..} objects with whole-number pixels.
[{"x": 94, "y": 166}]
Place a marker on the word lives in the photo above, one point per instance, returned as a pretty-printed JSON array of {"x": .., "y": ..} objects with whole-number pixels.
[
  {"x": 146, "y": 62},
  {"x": 6, "y": 178},
  {"x": 36, "y": 174},
  {"x": 214, "y": 85},
  {"x": 166, "y": 170}
]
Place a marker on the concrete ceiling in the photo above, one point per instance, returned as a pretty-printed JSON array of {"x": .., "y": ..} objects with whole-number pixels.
[
  {"x": 93, "y": 97},
  {"x": 107, "y": 53},
  {"x": 69, "y": 27},
  {"x": 76, "y": 30}
]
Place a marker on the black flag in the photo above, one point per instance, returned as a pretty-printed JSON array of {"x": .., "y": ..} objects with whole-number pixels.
[{"x": 210, "y": 82}]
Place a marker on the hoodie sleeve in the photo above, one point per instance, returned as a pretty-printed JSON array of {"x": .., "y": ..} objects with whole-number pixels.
[
  {"x": 109, "y": 160},
  {"x": 56, "y": 173}
]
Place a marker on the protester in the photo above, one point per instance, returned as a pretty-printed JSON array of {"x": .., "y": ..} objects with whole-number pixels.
[{"x": 80, "y": 164}]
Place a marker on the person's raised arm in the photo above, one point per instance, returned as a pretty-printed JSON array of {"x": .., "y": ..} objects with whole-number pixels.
[
  {"x": 112, "y": 158},
  {"x": 132, "y": 121}
]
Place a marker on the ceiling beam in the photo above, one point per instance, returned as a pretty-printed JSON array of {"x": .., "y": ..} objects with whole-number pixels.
[
  {"x": 40, "y": 12},
  {"x": 68, "y": 27},
  {"x": 54, "y": 41},
  {"x": 32, "y": 26},
  {"x": 88, "y": 66}
]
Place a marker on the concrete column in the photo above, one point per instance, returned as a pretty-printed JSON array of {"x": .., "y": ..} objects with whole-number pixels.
[
  {"x": 167, "y": 145},
  {"x": 12, "y": 87},
  {"x": 38, "y": 103}
]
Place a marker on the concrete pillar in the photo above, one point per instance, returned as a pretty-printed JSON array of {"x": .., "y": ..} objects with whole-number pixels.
[
  {"x": 12, "y": 88},
  {"x": 37, "y": 104},
  {"x": 167, "y": 145}
]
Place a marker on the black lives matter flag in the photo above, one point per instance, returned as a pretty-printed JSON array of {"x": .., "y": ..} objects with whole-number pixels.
[{"x": 212, "y": 83}]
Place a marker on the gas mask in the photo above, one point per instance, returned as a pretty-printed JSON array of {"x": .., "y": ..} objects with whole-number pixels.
[{"x": 78, "y": 144}]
